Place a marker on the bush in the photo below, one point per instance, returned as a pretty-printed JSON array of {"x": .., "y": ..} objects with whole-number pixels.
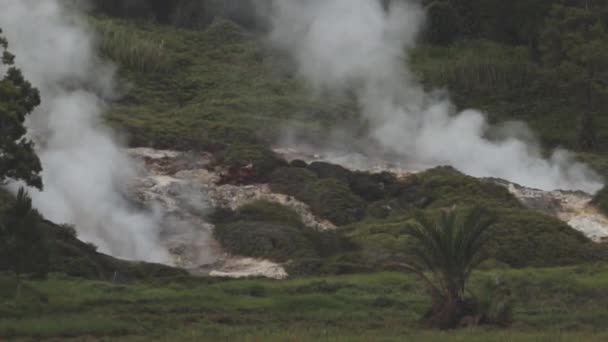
[
  {"x": 304, "y": 266},
  {"x": 328, "y": 198},
  {"x": 333, "y": 200},
  {"x": 373, "y": 187},
  {"x": 225, "y": 31},
  {"x": 261, "y": 159},
  {"x": 444, "y": 22},
  {"x": 601, "y": 200},
  {"x": 520, "y": 238},
  {"x": 326, "y": 170},
  {"x": 379, "y": 210},
  {"x": 445, "y": 186},
  {"x": 264, "y": 211},
  {"x": 524, "y": 238},
  {"x": 292, "y": 181},
  {"x": 264, "y": 240}
]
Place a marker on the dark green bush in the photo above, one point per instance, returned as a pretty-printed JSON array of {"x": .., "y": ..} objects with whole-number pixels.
[
  {"x": 333, "y": 200},
  {"x": 264, "y": 240},
  {"x": 367, "y": 188},
  {"x": 523, "y": 238},
  {"x": 329, "y": 243},
  {"x": 444, "y": 22},
  {"x": 264, "y": 211},
  {"x": 261, "y": 159},
  {"x": 328, "y": 198},
  {"x": 298, "y": 163},
  {"x": 601, "y": 200},
  {"x": 445, "y": 186},
  {"x": 225, "y": 31},
  {"x": 304, "y": 266},
  {"x": 293, "y": 181},
  {"x": 379, "y": 210},
  {"x": 326, "y": 170},
  {"x": 519, "y": 238}
]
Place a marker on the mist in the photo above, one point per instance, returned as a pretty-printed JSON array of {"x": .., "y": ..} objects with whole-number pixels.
[
  {"x": 85, "y": 171},
  {"x": 361, "y": 46}
]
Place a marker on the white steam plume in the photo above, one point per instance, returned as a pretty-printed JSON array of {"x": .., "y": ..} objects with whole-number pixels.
[
  {"x": 84, "y": 169},
  {"x": 359, "y": 44}
]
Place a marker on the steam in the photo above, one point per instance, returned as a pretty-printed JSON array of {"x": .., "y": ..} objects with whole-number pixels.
[
  {"x": 359, "y": 45},
  {"x": 84, "y": 169}
]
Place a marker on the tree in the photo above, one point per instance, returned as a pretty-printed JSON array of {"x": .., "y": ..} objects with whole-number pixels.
[
  {"x": 444, "y": 23},
  {"x": 449, "y": 247},
  {"x": 574, "y": 49},
  {"x": 18, "y": 98},
  {"x": 23, "y": 247}
]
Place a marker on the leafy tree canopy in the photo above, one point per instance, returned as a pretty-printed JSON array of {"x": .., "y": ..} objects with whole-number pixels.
[{"x": 18, "y": 98}]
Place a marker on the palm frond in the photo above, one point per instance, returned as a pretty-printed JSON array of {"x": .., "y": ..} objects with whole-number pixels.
[{"x": 450, "y": 246}]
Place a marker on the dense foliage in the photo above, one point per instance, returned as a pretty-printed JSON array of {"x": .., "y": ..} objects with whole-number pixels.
[
  {"x": 23, "y": 245},
  {"x": 271, "y": 231},
  {"x": 450, "y": 247},
  {"x": 18, "y": 99}
]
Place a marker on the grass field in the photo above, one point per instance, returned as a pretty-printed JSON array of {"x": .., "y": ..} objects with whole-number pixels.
[{"x": 559, "y": 304}]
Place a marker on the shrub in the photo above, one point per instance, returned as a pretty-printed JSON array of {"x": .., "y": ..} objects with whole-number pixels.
[
  {"x": 601, "y": 200},
  {"x": 328, "y": 198},
  {"x": 326, "y": 170},
  {"x": 261, "y": 159},
  {"x": 444, "y": 22},
  {"x": 298, "y": 163},
  {"x": 524, "y": 238},
  {"x": 304, "y": 266},
  {"x": 373, "y": 187},
  {"x": 264, "y": 240},
  {"x": 225, "y": 31},
  {"x": 379, "y": 210},
  {"x": 333, "y": 200},
  {"x": 269, "y": 212},
  {"x": 520, "y": 238},
  {"x": 292, "y": 181},
  {"x": 445, "y": 186}
]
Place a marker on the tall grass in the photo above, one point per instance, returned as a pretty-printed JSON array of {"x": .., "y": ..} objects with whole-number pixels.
[
  {"x": 478, "y": 67},
  {"x": 132, "y": 49}
]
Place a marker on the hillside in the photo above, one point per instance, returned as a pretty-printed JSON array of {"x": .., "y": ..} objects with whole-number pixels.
[{"x": 249, "y": 158}]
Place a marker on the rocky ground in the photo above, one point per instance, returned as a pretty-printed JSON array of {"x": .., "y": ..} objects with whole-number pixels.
[{"x": 185, "y": 187}]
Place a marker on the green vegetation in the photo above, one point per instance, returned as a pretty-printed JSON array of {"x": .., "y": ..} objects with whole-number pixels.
[
  {"x": 272, "y": 231},
  {"x": 450, "y": 247},
  {"x": 223, "y": 87},
  {"x": 601, "y": 200},
  {"x": 18, "y": 99},
  {"x": 66, "y": 254},
  {"x": 23, "y": 245},
  {"x": 258, "y": 159},
  {"x": 193, "y": 80},
  {"x": 134, "y": 50},
  {"x": 373, "y": 231},
  {"x": 560, "y": 304},
  {"x": 444, "y": 187}
]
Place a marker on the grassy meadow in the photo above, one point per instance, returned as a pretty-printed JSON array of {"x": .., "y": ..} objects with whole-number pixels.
[{"x": 557, "y": 304}]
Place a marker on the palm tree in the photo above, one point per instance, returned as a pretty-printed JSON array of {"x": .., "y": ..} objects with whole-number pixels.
[{"x": 449, "y": 247}]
